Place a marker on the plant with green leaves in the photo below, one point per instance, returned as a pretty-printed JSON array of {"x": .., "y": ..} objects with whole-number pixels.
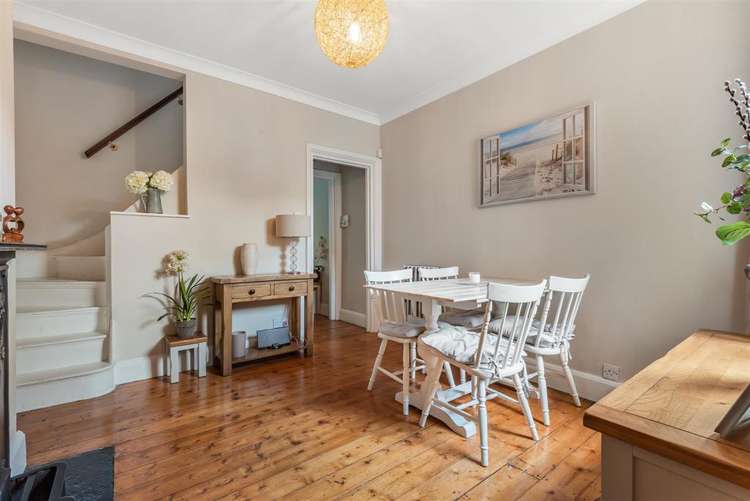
[
  {"x": 735, "y": 158},
  {"x": 189, "y": 293}
]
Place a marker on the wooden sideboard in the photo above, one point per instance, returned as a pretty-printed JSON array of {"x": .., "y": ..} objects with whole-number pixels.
[
  {"x": 230, "y": 290},
  {"x": 658, "y": 438}
]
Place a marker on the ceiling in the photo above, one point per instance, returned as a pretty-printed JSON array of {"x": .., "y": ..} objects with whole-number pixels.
[{"x": 434, "y": 48}]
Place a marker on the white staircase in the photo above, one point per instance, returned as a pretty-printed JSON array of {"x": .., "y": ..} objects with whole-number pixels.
[{"x": 62, "y": 334}]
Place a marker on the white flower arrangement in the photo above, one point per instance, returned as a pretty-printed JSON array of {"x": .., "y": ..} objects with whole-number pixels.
[
  {"x": 176, "y": 262},
  {"x": 139, "y": 181}
]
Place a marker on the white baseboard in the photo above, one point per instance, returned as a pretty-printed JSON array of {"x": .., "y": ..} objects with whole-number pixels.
[
  {"x": 353, "y": 317},
  {"x": 589, "y": 386},
  {"x": 17, "y": 453}
]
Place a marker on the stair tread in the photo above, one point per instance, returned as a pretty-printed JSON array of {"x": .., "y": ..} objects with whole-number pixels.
[
  {"x": 61, "y": 309},
  {"x": 31, "y": 342},
  {"x": 30, "y": 378}
]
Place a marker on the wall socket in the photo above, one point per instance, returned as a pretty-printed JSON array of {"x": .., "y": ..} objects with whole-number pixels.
[
  {"x": 611, "y": 372},
  {"x": 280, "y": 322}
]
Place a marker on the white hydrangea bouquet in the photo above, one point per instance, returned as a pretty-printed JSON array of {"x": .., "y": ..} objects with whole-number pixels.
[{"x": 149, "y": 186}]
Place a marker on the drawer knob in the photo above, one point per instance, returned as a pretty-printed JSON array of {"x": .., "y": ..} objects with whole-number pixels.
[
  {"x": 291, "y": 288},
  {"x": 251, "y": 291}
]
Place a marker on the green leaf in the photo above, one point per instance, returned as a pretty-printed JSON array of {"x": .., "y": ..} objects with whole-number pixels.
[
  {"x": 725, "y": 142},
  {"x": 726, "y": 197},
  {"x": 717, "y": 152},
  {"x": 729, "y": 159},
  {"x": 730, "y": 234},
  {"x": 734, "y": 208}
]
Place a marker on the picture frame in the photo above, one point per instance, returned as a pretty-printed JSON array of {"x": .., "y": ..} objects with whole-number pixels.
[{"x": 549, "y": 158}]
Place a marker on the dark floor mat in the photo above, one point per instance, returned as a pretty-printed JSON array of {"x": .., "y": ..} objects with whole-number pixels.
[{"x": 91, "y": 476}]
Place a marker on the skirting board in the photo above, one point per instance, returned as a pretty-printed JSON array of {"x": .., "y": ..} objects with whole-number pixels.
[
  {"x": 589, "y": 386},
  {"x": 353, "y": 317},
  {"x": 139, "y": 368}
]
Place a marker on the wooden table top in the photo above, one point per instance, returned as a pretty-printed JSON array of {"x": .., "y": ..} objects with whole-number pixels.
[
  {"x": 672, "y": 407},
  {"x": 454, "y": 290},
  {"x": 271, "y": 277}
]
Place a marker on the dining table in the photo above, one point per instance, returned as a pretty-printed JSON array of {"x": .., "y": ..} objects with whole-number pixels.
[{"x": 434, "y": 296}]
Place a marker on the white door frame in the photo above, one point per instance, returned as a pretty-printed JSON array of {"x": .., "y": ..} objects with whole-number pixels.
[
  {"x": 373, "y": 201},
  {"x": 334, "y": 243}
]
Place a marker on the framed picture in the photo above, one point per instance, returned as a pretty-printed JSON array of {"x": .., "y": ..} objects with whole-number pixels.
[{"x": 549, "y": 158}]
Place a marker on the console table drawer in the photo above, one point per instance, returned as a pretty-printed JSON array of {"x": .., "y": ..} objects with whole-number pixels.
[
  {"x": 289, "y": 288},
  {"x": 249, "y": 291}
]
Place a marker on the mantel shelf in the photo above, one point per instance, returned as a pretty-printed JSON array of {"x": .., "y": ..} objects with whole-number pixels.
[{"x": 21, "y": 246}]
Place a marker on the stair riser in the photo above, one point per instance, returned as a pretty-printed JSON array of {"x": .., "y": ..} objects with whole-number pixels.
[
  {"x": 30, "y": 325},
  {"x": 45, "y": 394},
  {"x": 53, "y": 296},
  {"x": 81, "y": 267},
  {"x": 58, "y": 356}
]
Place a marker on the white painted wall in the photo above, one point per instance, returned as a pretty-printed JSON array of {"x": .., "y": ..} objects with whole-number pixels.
[
  {"x": 658, "y": 273},
  {"x": 64, "y": 104},
  {"x": 245, "y": 163}
]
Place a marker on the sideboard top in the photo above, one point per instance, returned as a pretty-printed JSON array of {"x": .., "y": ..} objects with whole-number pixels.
[{"x": 247, "y": 279}]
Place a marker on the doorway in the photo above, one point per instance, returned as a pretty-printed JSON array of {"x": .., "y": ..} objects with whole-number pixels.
[{"x": 344, "y": 200}]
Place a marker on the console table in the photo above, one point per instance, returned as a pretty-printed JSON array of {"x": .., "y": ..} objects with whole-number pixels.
[
  {"x": 230, "y": 290},
  {"x": 658, "y": 428}
]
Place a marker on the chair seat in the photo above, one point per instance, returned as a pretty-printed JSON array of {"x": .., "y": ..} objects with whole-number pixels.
[
  {"x": 469, "y": 319},
  {"x": 410, "y": 329},
  {"x": 460, "y": 344}
]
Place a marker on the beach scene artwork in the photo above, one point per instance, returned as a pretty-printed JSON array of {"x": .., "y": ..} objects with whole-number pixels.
[{"x": 544, "y": 159}]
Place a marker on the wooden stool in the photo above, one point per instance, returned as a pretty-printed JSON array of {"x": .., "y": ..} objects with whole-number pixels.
[{"x": 199, "y": 347}]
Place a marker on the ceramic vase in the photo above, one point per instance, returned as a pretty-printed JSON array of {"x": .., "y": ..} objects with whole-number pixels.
[
  {"x": 249, "y": 259},
  {"x": 152, "y": 201},
  {"x": 185, "y": 329}
]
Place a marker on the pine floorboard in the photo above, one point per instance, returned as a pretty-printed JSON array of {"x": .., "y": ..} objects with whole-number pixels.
[{"x": 308, "y": 429}]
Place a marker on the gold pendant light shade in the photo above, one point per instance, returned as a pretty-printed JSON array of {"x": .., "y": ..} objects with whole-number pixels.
[{"x": 351, "y": 32}]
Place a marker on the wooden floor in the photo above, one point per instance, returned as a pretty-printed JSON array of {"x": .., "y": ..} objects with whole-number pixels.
[{"x": 308, "y": 429}]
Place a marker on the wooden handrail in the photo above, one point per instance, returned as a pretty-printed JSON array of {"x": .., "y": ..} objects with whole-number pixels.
[{"x": 131, "y": 123}]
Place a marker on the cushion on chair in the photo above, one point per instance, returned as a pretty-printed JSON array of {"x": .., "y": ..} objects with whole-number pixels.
[
  {"x": 548, "y": 339},
  {"x": 461, "y": 344},
  {"x": 469, "y": 319},
  {"x": 395, "y": 329}
]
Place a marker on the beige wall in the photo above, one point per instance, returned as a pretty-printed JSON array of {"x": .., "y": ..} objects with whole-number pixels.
[
  {"x": 64, "y": 104},
  {"x": 245, "y": 163},
  {"x": 353, "y": 238},
  {"x": 655, "y": 74}
]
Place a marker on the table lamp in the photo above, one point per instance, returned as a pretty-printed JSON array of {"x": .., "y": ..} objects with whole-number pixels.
[{"x": 292, "y": 226}]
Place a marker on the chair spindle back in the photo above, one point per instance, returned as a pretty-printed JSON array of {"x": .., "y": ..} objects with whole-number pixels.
[
  {"x": 388, "y": 306},
  {"x": 437, "y": 273},
  {"x": 564, "y": 297}
]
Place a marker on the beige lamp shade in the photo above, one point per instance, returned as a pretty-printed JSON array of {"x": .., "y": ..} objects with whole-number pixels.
[{"x": 292, "y": 225}]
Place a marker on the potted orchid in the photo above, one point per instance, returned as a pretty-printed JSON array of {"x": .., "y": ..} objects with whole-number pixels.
[
  {"x": 149, "y": 186},
  {"x": 182, "y": 306}
]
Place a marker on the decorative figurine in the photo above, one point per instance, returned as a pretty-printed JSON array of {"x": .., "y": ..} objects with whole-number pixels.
[{"x": 13, "y": 224}]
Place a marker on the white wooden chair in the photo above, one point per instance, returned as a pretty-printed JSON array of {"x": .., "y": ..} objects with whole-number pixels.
[
  {"x": 563, "y": 297},
  {"x": 471, "y": 317},
  {"x": 395, "y": 325},
  {"x": 487, "y": 357}
]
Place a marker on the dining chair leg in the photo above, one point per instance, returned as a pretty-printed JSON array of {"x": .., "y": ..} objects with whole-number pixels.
[
  {"x": 405, "y": 377},
  {"x": 474, "y": 387},
  {"x": 413, "y": 361},
  {"x": 432, "y": 383},
  {"x": 449, "y": 374},
  {"x": 483, "y": 433},
  {"x": 376, "y": 365},
  {"x": 462, "y": 376},
  {"x": 564, "y": 356},
  {"x": 542, "y": 389},
  {"x": 525, "y": 406}
]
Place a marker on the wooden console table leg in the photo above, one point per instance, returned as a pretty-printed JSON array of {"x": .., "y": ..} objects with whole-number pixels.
[
  {"x": 309, "y": 334},
  {"x": 226, "y": 331}
]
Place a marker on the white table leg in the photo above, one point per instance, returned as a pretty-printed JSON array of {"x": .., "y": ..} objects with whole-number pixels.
[
  {"x": 202, "y": 355},
  {"x": 431, "y": 311},
  {"x": 174, "y": 373},
  {"x": 455, "y": 422}
]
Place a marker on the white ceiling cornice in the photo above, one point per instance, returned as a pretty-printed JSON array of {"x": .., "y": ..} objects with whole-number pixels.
[{"x": 74, "y": 28}]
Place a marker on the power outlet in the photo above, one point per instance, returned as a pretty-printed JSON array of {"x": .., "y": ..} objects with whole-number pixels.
[
  {"x": 280, "y": 322},
  {"x": 611, "y": 372}
]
